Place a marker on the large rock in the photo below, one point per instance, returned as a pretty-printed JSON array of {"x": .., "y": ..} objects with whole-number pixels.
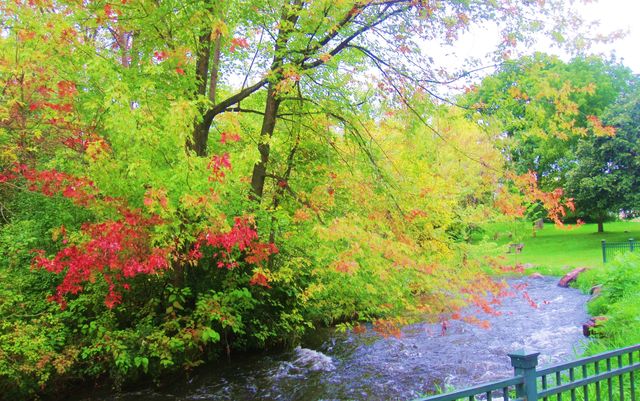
[
  {"x": 570, "y": 277},
  {"x": 595, "y": 290},
  {"x": 536, "y": 275},
  {"x": 587, "y": 328}
]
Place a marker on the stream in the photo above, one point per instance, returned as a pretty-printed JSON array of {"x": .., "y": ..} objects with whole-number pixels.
[{"x": 345, "y": 366}]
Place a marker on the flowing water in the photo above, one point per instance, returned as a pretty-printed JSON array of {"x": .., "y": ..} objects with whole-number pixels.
[{"x": 341, "y": 366}]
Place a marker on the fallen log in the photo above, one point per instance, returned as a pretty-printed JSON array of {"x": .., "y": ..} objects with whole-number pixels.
[{"x": 570, "y": 277}]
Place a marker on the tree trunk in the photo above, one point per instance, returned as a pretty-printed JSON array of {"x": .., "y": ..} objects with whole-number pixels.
[
  {"x": 198, "y": 142},
  {"x": 215, "y": 67},
  {"x": 290, "y": 16},
  {"x": 268, "y": 125},
  {"x": 600, "y": 225}
]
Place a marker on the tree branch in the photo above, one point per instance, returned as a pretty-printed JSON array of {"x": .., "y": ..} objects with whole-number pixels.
[{"x": 342, "y": 45}]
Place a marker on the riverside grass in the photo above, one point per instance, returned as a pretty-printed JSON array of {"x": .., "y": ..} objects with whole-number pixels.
[{"x": 554, "y": 250}]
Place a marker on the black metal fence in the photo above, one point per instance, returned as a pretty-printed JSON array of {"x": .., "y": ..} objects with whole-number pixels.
[
  {"x": 610, "y": 376},
  {"x": 610, "y": 249}
]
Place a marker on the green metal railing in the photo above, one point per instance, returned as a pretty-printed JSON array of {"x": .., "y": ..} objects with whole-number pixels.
[
  {"x": 608, "y": 376},
  {"x": 610, "y": 249}
]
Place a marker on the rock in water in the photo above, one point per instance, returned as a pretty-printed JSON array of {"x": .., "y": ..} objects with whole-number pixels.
[
  {"x": 570, "y": 277},
  {"x": 587, "y": 328},
  {"x": 313, "y": 360}
]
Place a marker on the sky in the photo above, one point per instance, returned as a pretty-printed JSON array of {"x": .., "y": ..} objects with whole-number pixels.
[
  {"x": 619, "y": 14},
  {"x": 613, "y": 15}
]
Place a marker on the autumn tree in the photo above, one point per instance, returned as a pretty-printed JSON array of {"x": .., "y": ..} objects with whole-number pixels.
[
  {"x": 192, "y": 173},
  {"x": 299, "y": 49},
  {"x": 604, "y": 177},
  {"x": 546, "y": 107}
]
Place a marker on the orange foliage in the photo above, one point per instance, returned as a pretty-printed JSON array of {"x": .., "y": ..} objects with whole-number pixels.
[
  {"x": 553, "y": 202},
  {"x": 387, "y": 328}
]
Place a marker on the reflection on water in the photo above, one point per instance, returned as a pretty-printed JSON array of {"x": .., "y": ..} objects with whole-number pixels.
[{"x": 337, "y": 366}]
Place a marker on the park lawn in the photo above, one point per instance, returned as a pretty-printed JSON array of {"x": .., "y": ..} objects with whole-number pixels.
[{"x": 554, "y": 250}]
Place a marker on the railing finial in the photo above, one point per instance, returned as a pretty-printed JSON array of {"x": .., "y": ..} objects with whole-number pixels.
[{"x": 524, "y": 363}]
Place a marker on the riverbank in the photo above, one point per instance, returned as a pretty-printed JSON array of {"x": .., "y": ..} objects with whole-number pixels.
[
  {"x": 425, "y": 358},
  {"x": 555, "y": 251},
  {"x": 618, "y": 300},
  {"x": 428, "y": 357}
]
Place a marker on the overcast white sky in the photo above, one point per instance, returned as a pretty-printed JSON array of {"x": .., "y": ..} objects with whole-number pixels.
[
  {"x": 613, "y": 15},
  {"x": 619, "y": 14}
]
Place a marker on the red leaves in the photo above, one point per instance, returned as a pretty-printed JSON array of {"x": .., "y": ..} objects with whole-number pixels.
[
  {"x": 242, "y": 237},
  {"x": 67, "y": 89},
  {"x": 25, "y": 35},
  {"x": 119, "y": 249},
  {"x": 530, "y": 300},
  {"x": 108, "y": 10},
  {"x": 80, "y": 142},
  {"x": 68, "y": 35},
  {"x": 160, "y": 55},
  {"x": 61, "y": 107},
  {"x": 346, "y": 266},
  {"x": 404, "y": 49},
  {"x": 217, "y": 164},
  {"x": 415, "y": 214},
  {"x": 228, "y": 137},
  {"x": 260, "y": 252},
  {"x": 52, "y": 182},
  {"x": 112, "y": 12},
  {"x": 115, "y": 250},
  {"x": 156, "y": 197},
  {"x": 301, "y": 215},
  {"x": 259, "y": 279},
  {"x": 238, "y": 43},
  {"x": 484, "y": 305}
]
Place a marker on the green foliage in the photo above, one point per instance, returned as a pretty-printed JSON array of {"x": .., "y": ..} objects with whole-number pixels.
[
  {"x": 546, "y": 106},
  {"x": 128, "y": 115},
  {"x": 618, "y": 301},
  {"x": 605, "y": 177}
]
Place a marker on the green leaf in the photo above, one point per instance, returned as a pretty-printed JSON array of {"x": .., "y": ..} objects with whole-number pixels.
[{"x": 210, "y": 336}]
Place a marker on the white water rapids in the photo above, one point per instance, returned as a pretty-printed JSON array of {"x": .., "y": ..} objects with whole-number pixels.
[{"x": 335, "y": 366}]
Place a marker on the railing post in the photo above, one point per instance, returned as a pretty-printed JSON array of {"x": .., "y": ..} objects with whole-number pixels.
[
  {"x": 604, "y": 251},
  {"x": 631, "y": 244},
  {"x": 524, "y": 364}
]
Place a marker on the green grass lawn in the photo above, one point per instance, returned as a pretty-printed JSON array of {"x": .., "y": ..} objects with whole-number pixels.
[{"x": 555, "y": 250}]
